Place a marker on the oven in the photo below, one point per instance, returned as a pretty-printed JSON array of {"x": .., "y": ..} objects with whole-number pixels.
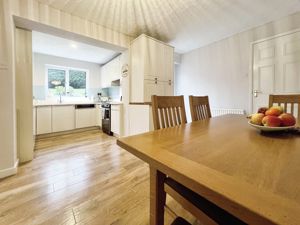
[{"x": 106, "y": 118}]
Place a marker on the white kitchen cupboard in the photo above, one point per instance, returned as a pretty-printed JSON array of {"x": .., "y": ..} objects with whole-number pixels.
[
  {"x": 153, "y": 87},
  {"x": 43, "y": 119},
  {"x": 151, "y": 66},
  {"x": 98, "y": 115},
  {"x": 110, "y": 71},
  {"x": 34, "y": 121},
  {"x": 63, "y": 118},
  {"x": 116, "y": 120},
  {"x": 169, "y": 89},
  {"x": 85, "y": 117},
  {"x": 140, "y": 119},
  {"x": 105, "y": 76},
  {"x": 115, "y": 72}
]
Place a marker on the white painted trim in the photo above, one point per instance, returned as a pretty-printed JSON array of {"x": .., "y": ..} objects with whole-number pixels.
[
  {"x": 9, "y": 171},
  {"x": 277, "y": 35},
  {"x": 251, "y": 61}
]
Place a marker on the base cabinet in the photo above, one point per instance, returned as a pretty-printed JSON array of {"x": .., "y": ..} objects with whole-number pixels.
[
  {"x": 140, "y": 119},
  {"x": 63, "y": 118},
  {"x": 98, "y": 116},
  {"x": 116, "y": 120},
  {"x": 43, "y": 119},
  {"x": 85, "y": 117},
  {"x": 57, "y": 118}
]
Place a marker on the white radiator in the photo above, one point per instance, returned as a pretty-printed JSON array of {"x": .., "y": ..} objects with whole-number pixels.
[{"x": 220, "y": 112}]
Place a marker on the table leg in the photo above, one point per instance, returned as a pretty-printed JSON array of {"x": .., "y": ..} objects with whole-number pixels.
[{"x": 157, "y": 197}]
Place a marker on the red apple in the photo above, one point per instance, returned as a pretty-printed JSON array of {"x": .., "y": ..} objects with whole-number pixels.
[
  {"x": 274, "y": 111},
  {"x": 262, "y": 110},
  {"x": 287, "y": 119},
  {"x": 271, "y": 121},
  {"x": 257, "y": 118}
]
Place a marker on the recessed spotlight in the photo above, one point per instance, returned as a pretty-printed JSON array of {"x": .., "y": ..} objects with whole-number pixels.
[{"x": 73, "y": 45}]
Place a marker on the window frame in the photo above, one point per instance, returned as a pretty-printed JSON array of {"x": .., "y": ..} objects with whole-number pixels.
[{"x": 67, "y": 74}]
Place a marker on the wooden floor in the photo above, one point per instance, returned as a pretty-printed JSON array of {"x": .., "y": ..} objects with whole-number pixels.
[{"x": 80, "y": 178}]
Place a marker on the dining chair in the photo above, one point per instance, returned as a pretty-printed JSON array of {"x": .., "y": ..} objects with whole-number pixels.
[
  {"x": 199, "y": 106},
  {"x": 168, "y": 111},
  {"x": 290, "y": 103},
  {"x": 180, "y": 221}
]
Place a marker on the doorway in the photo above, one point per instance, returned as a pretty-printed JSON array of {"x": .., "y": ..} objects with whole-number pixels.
[{"x": 275, "y": 68}]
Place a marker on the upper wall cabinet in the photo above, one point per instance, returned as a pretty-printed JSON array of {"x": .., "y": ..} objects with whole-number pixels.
[
  {"x": 151, "y": 65},
  {"x": 110, "y": 71}
]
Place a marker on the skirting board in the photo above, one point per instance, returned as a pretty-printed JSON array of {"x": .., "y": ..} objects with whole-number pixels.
[{"x": 9, "y": 171}]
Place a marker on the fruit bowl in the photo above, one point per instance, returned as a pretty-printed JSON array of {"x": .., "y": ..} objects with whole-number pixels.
[{"x": 271, "y": 129}]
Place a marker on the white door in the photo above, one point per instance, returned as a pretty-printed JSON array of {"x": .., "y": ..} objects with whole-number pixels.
[{"x": 276, "y": 68}]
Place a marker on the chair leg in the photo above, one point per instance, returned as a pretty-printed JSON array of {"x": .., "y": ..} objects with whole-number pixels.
[
  {"x": 157, "y": 197},
  {"x": 180, "y": 221}
]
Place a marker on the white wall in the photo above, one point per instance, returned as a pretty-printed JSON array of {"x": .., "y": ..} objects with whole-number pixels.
[
  {"x": 39, "y": 72},
  {"x": 221, "y": 70},
  {"x": 7, "y": 93}
]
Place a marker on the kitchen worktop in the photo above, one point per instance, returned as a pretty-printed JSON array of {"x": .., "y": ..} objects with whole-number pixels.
[{"x": 49, "y": 103}]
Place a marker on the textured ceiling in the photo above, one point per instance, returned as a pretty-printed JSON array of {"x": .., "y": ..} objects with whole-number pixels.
[{"x": 186, "y": 24}]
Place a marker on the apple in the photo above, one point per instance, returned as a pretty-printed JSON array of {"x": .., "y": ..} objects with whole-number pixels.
[
  {"x": 262, "y": 110},
  {"x": 271, "y": 121},
  {"x": 257, "y": 118},
  {"x": 274, "y": 111},
  {"x": 287, "y": 119}
]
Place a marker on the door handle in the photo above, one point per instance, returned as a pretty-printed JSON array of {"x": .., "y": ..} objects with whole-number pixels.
[{"x": 255, "y": 92}]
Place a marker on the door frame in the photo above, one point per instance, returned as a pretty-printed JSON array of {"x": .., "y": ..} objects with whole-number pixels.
[{"x": 251, "y": 60}]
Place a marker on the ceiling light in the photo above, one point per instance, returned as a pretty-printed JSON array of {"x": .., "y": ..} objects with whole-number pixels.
[{"x": 73, "y": 45}]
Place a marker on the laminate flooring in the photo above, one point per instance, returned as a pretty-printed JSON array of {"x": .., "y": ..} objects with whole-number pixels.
[{"x": 80, "y": 178}]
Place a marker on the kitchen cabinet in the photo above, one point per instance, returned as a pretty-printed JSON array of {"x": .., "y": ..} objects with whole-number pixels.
[
  {"x": 63, "y": 118},
  {"x": 116, "y": 120},
  {"x": 43, "y": 119},
  {"x": 105, "y": 76},
  {"x": 98, "y": 115},
  {"x": 140, "y": 119},
  {"x": 85, "y": 117},
  {"x": 153, "y": 87},
  {"x": 115, "y": 72},
  {"x": 34, "y": 121},
  {"x": 151, "y": 66},
  {"x": 57, "y": 118},
  {"x": 110, "y": 71},
  {"x": 169, "y": 88}
]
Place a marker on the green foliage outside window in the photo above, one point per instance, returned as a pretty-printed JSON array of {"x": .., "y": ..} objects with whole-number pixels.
[{"x": 72, "y": 83}]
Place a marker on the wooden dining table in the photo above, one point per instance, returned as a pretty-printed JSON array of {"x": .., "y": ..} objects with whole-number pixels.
[{"x": 252, "y": 175}]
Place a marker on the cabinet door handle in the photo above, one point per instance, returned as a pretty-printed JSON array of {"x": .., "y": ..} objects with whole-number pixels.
[{"x": 170, "y": 82}]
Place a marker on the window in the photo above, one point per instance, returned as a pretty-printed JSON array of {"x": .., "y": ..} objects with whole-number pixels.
[{"x": 66, "y": 81}]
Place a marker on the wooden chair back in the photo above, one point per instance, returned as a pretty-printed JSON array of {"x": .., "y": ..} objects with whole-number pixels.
[
  {"x": 200, "y": 109},
  {"x": 168, "y": 111},
  {"x": 290, "y": 103}
]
